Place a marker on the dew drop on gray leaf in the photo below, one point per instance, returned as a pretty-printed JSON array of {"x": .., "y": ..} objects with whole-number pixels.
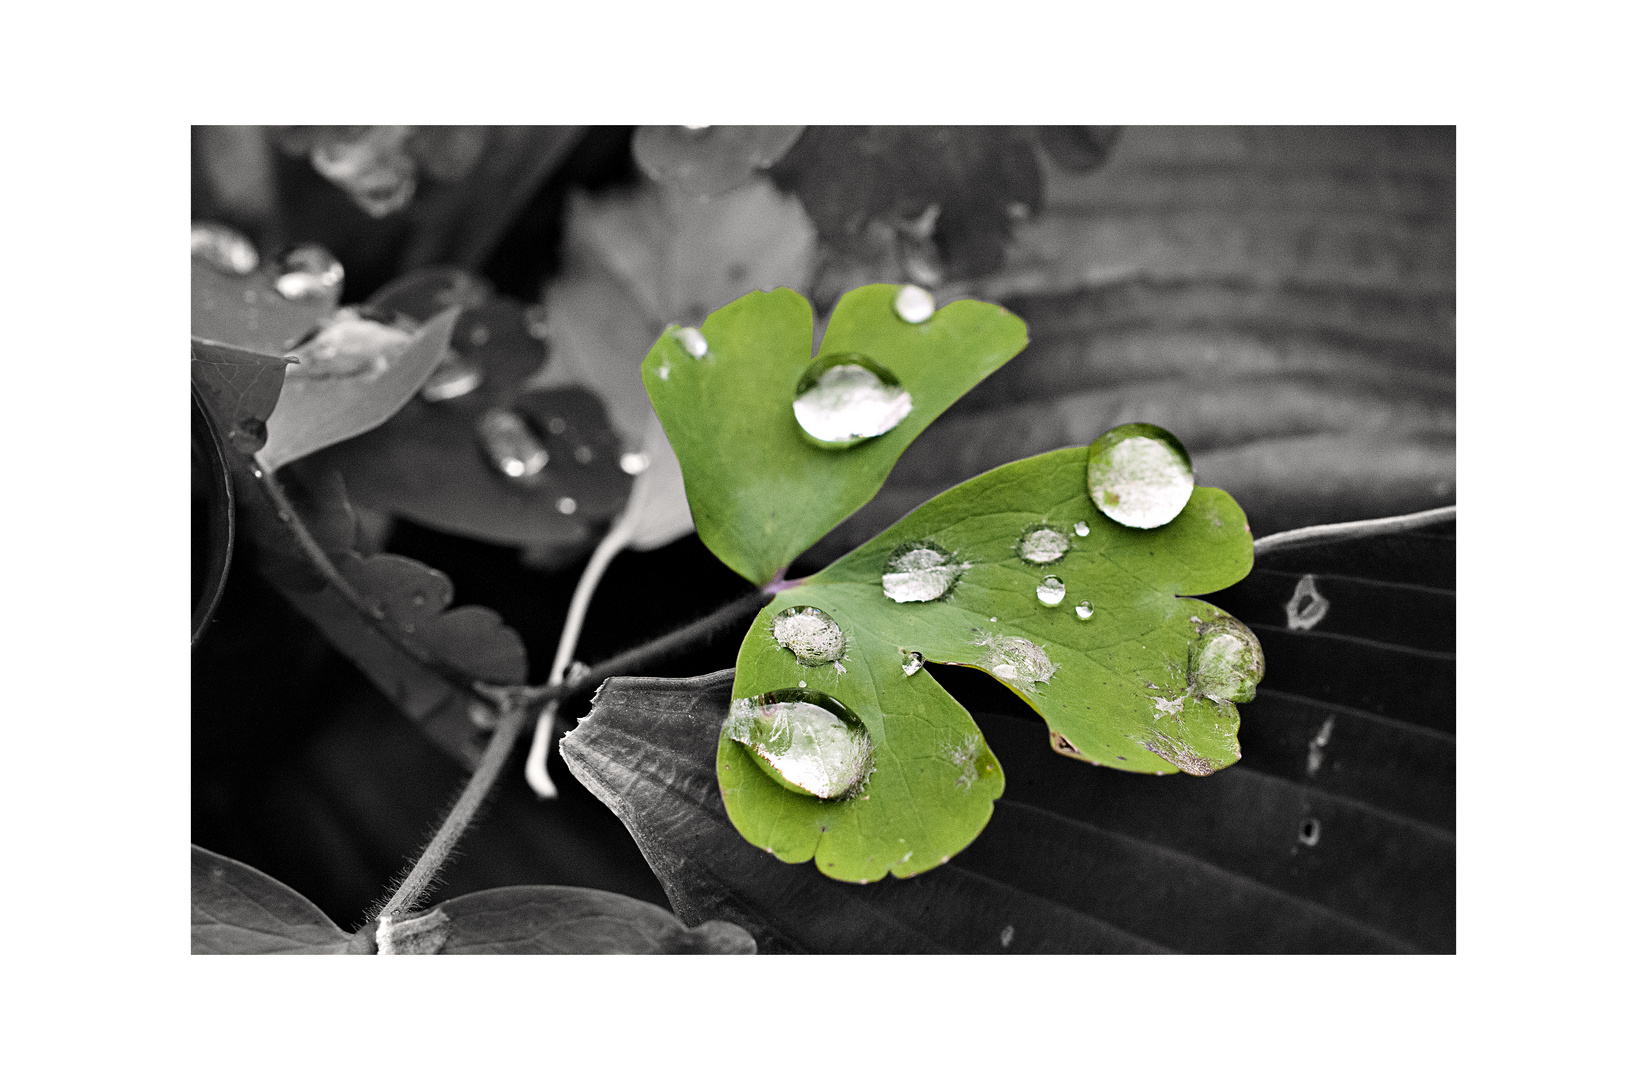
[
  {"x": 1042, "y": 544},
  {"x": 1139, "y": 475},
  {"x": 310, "y": 273},
  {"x": 806, "y": 741},
  {"x": 1050, "y": 591},
  {"x": 845, "y": 398},
  {"x": 920, "y": 572},
  {"x": 914, "y": 304},
  {"x": 810, "y": 634},
  {"x": 692, "y": 340},
  {"x": 453, "y": 377},
  {"x": 511, "y": 446},
  {"x": 222, "y": 248},
  {"x": 1083, "y": 610},
  {"x": 1225, "y": 661}
]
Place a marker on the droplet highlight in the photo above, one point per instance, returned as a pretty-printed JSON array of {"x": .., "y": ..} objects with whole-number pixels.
[
  {"x": 845, "y": 398},
  {"x": 692, "y": 340},
  {"x": 222, "y": 248},
  {"x": 806, "y": 741},
  {"x": 511, "y": 446},
  {"x": 1050, "y": 591},
  {"x": 349, "y": 346},
  {"x": 634, "y": 463},
  {"x": 309, "y": 273},
  {"x": 1042, "y": 544},
  {"x": 1139, "y": 475},
  {"x": 1083, "y": 610},
  {"x": 1082, "y": 528},
  {"x": 1226, "y": 662},
  {"x": 453, "y": 377},
  {"x": 920, "y": 572},
  {"x": 566, "y": 505},
  {"x": 811, "y": 634},
  {"x": 914, "y": 304}
]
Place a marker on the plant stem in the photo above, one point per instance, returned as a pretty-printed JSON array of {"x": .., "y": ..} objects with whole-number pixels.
[
  {"x": 1351, "y": 530},
  {"x": 422, "y": 874}
]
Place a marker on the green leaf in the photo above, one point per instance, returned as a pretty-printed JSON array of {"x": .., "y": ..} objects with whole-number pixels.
[
  {"x": 238, "y": 909},
  {"x": 1116, "y": 688},
  {"x": 758, "y": 510},
  {"x": 315, "y": 413}
]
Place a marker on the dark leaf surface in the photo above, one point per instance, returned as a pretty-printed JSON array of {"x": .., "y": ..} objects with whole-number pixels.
[
  {"x": 248, "y": 311},
  {"x": 240, "y": 388},
  {"x": 237, "y": 909},
  {"x": 566, "y": 920},
  {"x": 1334, "y": 833}
]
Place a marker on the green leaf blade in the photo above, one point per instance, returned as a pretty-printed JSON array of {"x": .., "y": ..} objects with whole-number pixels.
[{"x": 757, "y": 511}]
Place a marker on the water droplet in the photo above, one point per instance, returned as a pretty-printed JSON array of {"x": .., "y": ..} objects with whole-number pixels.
[
  {"x": 1083, "y": 610},
  {"x": 453, "y": 377},
  {"x": 692, "y": 340},
  {"x": 1082, "y": 528},
  {"x": 1225, "y": 662},
  {"x": 479, "y": 335},
  {"x": 913, "y": 661},
  {"x": 566, "y": 505},
  {"x": 557, "y": 425},
  {"x": 634, "y": 463},
  {"x": 914, "y": 304},
  {"x": 584, "y": 455},
  {"x": 248, "y": 437},
  {"x": 845, "y": 398},
  {"x": 1139, "y": 475},
  {"x": 920, "y": 572},
  {"x": 222, "y": 248},
  {"x": 1050, "y": 591},
  {"x": 808, "y": 742},
  {"x": 309, "y": 273},
  {"x": 349, "y": 346},
  {"x": 1016, "y": 661},
  {"x": 510, "y": 445},
  {"x": 810, "y": 634},
  {"x": 1042, "y": 544}
]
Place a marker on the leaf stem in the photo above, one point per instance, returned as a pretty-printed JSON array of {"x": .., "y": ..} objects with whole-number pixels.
[{"x": 1351, "y": 530}]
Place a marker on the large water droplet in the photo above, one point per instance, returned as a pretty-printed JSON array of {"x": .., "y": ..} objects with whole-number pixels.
[
  {"x": 511, "y": 446},
  {"x": 1016, "y": 661},
  {"x": 919, "y": 572},
  {"x": 1083, "y": 610},
  {"x": 693, "y": 341},
  {"x": 810, "y": 634},
  {"x": 1042, "y": 544},
  {"x": 1226, "y": 661},
  {"x": 1139, "y": 475},
  {"x": 845, "y": 398},
  {"x": 1082, "y": 528},
  {"x": 309, "y": 273},
  {"x": 913, "y": 661},
  {"x": 808, "y": 742},
  {"x": 453, "y": 377},
  {"x": 914, "y": 304},
  {"x": 349, "y": 346},
  {"x": 222, "y": 248},
  {"x": 1050, "y": 591}
]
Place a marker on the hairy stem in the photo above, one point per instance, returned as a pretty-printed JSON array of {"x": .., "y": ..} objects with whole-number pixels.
[{"x": 1351, "y": 530}]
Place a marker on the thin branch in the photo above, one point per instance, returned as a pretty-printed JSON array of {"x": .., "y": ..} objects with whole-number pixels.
[{"x": 1351, "y": 530}]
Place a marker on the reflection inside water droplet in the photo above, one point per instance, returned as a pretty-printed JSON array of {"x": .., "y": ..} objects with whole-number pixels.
[
  {"x": 914, "y": 304},
  {"x": 309, "y": 272},
  {"x": 810, "y": 634},
  {"x": 1226, "y": 661},
  {"x": 807, "y": 741},
  {"x": 845, "y": 398},
  {"x": 349, "y": 346},
  {"x": 634, "y": 463},
  {"x": 453, "y": 377},
  {"x": 1042, "y": 544},
  {"x": 1082, "y": 528},
  {"x": 1016, "y": 661},
  {"x": 1139, "y": 475},
  {"x": 920, "y": 572},
  {"x": 1050, "y": 591},
  {"x": 1083, "y": 610},
  {"x": 222, "y": 248},
  {"x": 692, "y": 340},
  {"x": 913, "y": 662},
  {"x": 511, "y": 446}
]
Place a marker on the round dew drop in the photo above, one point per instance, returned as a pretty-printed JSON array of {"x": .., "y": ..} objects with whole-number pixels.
[
  {"x": 914, "y": 304},
  {"x": 806, "y": 741},
  {"x": 1139, "y": 475},
  {"x": 1042, "y": 545},
  {"x": 809, "y": 633},
  {"x": 634, "y": 462},
  {"x": 1082, "y": 528},
  {"x": 1083, "y": 610},
  {"x": 844, "y": 399},
  {"x": 919, "y": 573},
  {"x": 913, "y": 662},
  {"x": 1050, "y": 591}
]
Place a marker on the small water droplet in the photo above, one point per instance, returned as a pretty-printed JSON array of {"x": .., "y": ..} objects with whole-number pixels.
[
  {"x": 845, "y": 398},
  {"x": 1050, "y": 591},
  {"x": 692, "y": 340},
  {"x": 807, "y": 741},
  {"x": 557, "y": 425},
  {"x": 479, "y": 335},
  {"x": 634, "y": 463},
  {"x": 453, "y": 377},
  {"x": 419, "y": 600},
  {"x": 1225, "y": 661},
  {"x": 1042, "y": 544},
  {"x": 913, "y": 662},
  {"x": 811, "y": 634},
  {"x": 1082, "y": 528},
  {"x": 992, "y": 618},
  {"x": 920, "y": 572},
  {"x": 1139, "y": 475},
  {"x": 349, "y": 346},
  {"x": 803, "y": 684},
  {"x": 584, "y": 455},
  {"x": 510, "y": 445},
  {"x": 222, "y": 248},
  {"x": 1016, "y": 661},
  {"x": 309, "y": 273},
  {"x": 914, "y": 304},
  {"x": 566, "y": 505},
  {"x": 1083, "y": 610},
  {"x": 248, "y": 437}
]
